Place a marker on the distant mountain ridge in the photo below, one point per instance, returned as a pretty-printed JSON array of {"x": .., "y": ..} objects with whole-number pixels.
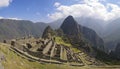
[
  {"x": 10, "y": 29},
  {"x": 112, "y": 31}
]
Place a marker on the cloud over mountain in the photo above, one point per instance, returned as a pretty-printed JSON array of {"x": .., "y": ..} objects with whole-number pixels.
[{"x": 100, "y": 9}]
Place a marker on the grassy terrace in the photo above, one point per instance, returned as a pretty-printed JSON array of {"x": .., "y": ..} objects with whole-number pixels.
[
  {"x": 63, "y": 54},
  {"x": 59, "y": 40}
]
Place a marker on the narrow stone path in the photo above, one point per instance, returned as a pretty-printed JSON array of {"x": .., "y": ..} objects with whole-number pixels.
[{"x": 52, "y": 54}]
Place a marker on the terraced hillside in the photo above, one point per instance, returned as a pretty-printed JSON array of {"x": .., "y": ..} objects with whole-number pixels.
[
  {"x": 13, "y": 60},
  {"x": 50, "y": 51},
  {"x": 14, "y": 57}
]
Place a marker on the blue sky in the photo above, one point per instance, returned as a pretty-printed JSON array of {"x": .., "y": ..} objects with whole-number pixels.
[
  {"x": 40, "y": 10},
  {"x": 35, "y": 10}
]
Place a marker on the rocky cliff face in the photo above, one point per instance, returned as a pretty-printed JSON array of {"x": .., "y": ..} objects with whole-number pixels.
[{"x": 79, "y": 34}]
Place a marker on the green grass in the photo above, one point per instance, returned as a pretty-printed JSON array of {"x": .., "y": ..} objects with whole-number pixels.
[
  {"x": 75, "y": 50},
  {"x": 59, "y": 40}
]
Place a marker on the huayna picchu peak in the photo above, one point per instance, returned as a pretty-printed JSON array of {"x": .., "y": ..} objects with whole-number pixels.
[
  {"x": 77, "y": 34},
  {"x": 70, "y": 26}
]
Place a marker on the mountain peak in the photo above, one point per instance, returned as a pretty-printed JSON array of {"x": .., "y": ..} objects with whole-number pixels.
[
  {"x": 70, "y": 17},
  {"x": 70, "y": 26}
]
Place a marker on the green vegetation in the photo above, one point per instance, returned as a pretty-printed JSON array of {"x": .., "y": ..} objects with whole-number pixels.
[
  {"x": 76, "y": 50},
  {"x": 102, "y": 56},
  {"x": 59, "y": 40}
]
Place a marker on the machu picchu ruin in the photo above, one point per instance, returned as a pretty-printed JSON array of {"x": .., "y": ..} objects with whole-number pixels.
[
  {"x": 48, "y": 51},
  {"x": 52, "y": 48}
]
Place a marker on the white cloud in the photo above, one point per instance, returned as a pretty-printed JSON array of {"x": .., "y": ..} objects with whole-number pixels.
[
  {"x": 12, "y": 18},
  {"x": 1, "y": 17},
  {"x": 57, "y": 4},
  {"x": 90, "y": 8},
  {"x": 91, "y": 0},
  {"x": 5, "y": 3}
]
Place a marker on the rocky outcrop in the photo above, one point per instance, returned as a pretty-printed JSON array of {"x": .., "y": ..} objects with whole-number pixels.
[{"x": 48, "y": 32}]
